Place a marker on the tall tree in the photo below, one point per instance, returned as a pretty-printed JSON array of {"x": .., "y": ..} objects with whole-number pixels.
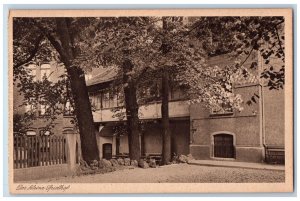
[
  {"x": 79, "y": 90},
  {"x": 166, "y": 137},
  {"x": 122, "y": 42},
  {"x": 131, "y": 111},
  {"x": 61, "y": 34}
]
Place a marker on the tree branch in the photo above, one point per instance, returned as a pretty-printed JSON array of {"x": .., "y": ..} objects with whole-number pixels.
[
  {"x": 53, "y": 41},
  {"x": 187, "y": 33},
  {"x": 247, "y": 56},
  {"x": 267, "y": 30},
  {"x": 279, "y": 41},
  {"x": 172, "y": 42},
  {"x": 57, "y": 46},
  {"x": 32, "y": 53}
]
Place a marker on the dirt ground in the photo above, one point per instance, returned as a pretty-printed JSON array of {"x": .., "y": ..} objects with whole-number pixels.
[{"x": 178, "y": 173}]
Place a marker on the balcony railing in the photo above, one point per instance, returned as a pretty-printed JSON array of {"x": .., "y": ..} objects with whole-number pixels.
[{"x": 149, "y": 111}]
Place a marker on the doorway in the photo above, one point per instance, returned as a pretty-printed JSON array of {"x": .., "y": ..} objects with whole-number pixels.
[
  {"x": 107, "y": 151},
  {"x": 223, "y": 146}
]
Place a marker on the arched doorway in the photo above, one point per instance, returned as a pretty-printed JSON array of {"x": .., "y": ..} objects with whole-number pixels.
[
  {"x": 223, "y": 145},
  {"x": 107, "y": 151}
]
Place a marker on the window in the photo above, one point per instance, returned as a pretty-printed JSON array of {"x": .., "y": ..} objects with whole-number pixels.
[
  {"x": 45, "y": 72},
  {"x": 30, "y": 133},
  {"x": 97, "y": 100},
  {"x": 68, "y": 109},
  {"x": 113, "y": 100},
  {"x": 222, "y": 109},
  {"x": 105, "y": 100},
  {"x": 44, "y": 108},
  {"x": 151, "y": 92},
  {"x": 120, "y": 101},
  {"x": 39, "y": 72},
  {"x": 30, "y": 107},
  {"x": 44, "y": 132},
  {"x": 41, "y": 107},
  {"x": 32, "y": 71},
  {"x": 92, "y": 98}
]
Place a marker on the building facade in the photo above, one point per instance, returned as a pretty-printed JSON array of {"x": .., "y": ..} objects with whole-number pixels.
[
  {"x": 112, "y": 141},
  {"x": 196, "y": 130},
  {"x": 38, "y": 126}
]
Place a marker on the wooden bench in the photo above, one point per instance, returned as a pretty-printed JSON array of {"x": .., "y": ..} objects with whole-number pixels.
[
  {"x": 274, "y": 154},
  {"x": 156, "y": 156},
  {"x": 123, "y": 155}
]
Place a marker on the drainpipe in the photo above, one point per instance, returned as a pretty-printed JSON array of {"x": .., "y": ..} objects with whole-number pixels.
[
  {"x": 263, "y": 117},
  {"x": 263, "y": 124},
  {"x": 262, "y": 105}
]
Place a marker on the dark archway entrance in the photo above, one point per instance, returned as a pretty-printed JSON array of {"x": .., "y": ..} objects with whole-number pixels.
[
  {"x": 223, "y": 146},
  {"x": 107, "y": 151}
]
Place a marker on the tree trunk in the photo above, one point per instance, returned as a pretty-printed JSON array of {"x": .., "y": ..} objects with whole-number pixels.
[
  {"x": 82, "y": 103},
  {"x": 131, "y": 112},
  {"x": 84, "y": 115},
  {"x": 166, "y": 145}
]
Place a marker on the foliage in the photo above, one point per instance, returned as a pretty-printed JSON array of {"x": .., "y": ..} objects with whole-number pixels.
[
  {"x": 240, "y": 36},
  {"x": 32, "y": 47},
  {"x": 150, "y": 47},
  {"x": 51, "y": 97},
  {"x": 20, "y": 124},
  {"x": 184, "y": 46}
]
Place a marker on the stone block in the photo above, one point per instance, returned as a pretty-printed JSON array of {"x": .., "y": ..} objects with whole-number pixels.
[
  {"x": 183, "y": 159},
  {"x": 190, "y": 158},
  {"x": 120, "y": 161},
  {"x": 106, "y": 163},
  {"x": 94, "y": 164},
  {"x": 143, "y": 164},
  {"x": 152, "y": 163},
  {"x": 127, "y": 161},
  {"x": 134, "y": 163},
  {"x": 114, "y": 162}
]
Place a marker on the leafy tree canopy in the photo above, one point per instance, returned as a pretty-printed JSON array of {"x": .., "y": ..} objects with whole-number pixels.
[{"x": 184, "y": 46}]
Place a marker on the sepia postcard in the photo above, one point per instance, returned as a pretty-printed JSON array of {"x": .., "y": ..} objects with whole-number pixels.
[{"x": 150, "y": 101}]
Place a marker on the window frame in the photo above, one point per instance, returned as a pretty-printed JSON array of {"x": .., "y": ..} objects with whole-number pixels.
[
  {"x": 47, "y": 69},
  {"x": 107, "y": 99},
  {"x": 69, "y": 111},
  {"x": 47, "y": 108},
  {"x": 223, "y": 112}
]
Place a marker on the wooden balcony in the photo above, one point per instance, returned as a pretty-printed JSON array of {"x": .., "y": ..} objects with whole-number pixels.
[{"x": 150, "y": 111}]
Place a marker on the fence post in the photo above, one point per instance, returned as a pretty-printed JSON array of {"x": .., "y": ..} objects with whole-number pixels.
[
  {"x": 71, "y": 136},
  {"x": 17, "y": 161}
]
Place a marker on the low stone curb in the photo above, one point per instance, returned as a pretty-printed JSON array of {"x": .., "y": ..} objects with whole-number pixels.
[{"x": 279, "y": 168}]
